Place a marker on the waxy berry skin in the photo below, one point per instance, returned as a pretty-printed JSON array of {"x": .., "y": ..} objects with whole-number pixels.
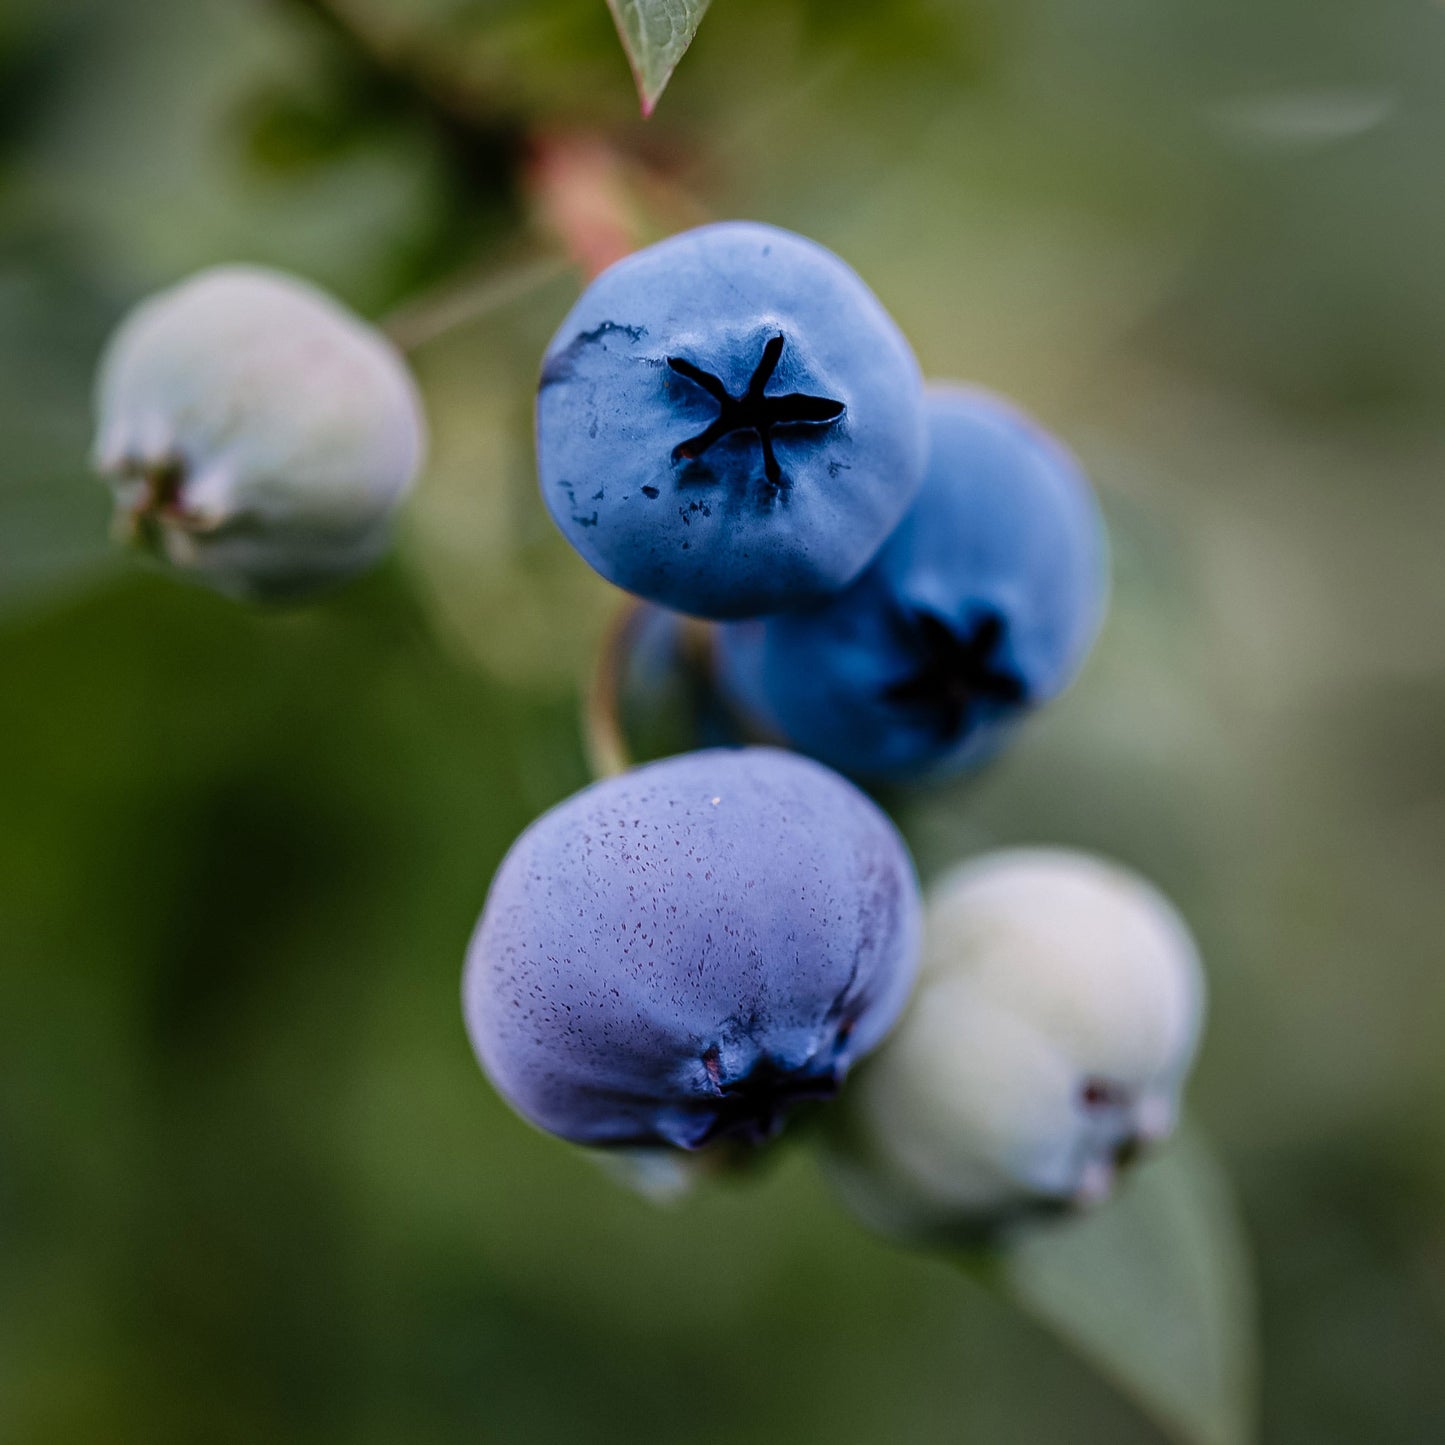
[
  {"x": 982, "y": 605},
  {"x": 1057, "y": 1015},
  {"x": 255, "y": 433},
  {"x": 729, "y": 423},
  {"x": 679, "y": 954}
]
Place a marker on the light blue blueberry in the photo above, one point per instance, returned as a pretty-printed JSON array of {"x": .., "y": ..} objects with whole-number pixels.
[{"x": 729, "y": 423}]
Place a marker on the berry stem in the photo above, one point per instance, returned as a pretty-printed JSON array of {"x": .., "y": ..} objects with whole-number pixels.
[
  {"x": 608, "y": 747},
  {"x": 602, "y": 734},
  {"x": 470, "y": 298}
]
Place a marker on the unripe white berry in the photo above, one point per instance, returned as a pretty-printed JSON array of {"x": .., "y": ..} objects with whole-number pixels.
[
  {"x": 1054, "y": 1022},
  {"x": 255, "y": 433}
]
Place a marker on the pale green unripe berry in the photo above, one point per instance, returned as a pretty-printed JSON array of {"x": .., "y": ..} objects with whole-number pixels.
[
  {"x": 255, "y": 433},
  {"x": 1048, "y": 1039}
]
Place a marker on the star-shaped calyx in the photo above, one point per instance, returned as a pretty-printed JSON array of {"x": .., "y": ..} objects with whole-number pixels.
[
  {"x": 959, "y": 671},
  {"x": 152, "y": 502},
  {"x": 753, "y": 410}
]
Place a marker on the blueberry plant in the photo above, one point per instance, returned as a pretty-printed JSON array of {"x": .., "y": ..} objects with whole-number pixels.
[{"x": 861, "y": 581}]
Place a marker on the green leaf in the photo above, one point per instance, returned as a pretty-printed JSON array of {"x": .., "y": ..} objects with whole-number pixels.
[
  {"x": 1155, "y": 1291},
  {"x": 655, "y": 34}
]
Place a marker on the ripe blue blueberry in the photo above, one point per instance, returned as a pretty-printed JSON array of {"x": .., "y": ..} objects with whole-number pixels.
[
  {"x": 982, "y": 605},
  {"x": 729, "y": 422},
  {"x": 678, "y": 954}
]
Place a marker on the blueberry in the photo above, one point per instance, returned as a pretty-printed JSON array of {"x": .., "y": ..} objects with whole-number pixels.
[
  {"x": 678, "y": 954},
  {"x": 258, "y": 436},
  {"x": 1056, "y": 1017},
  {"x": 981, "y": 606},
  {"x": 729, "y": 423}
]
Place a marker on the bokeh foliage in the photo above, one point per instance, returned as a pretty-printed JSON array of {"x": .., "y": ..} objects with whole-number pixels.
[{"x": 251, "y": 1183}]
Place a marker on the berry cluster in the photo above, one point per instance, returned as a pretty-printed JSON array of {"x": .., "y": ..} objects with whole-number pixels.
[{"x": 891, "y": 576}]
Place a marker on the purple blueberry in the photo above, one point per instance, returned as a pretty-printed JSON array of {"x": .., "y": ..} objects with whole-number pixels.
[
  {"x": 729, "y": 422},
  {"x": 679, "y": 954},
  {"x": 982, "y": 605}
]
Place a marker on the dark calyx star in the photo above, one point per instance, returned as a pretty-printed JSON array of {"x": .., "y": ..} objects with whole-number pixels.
[
  {"x": 753, "y": 1108},
  {"x": 960, "y": 672},
  {"x": 753, "y": 410}
]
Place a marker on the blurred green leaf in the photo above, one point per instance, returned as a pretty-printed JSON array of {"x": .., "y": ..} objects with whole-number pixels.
[
  {"x": 1155, "y": 1291},
  {"x": 655, "y": 34},
  {"x": 54, "y": 516}
]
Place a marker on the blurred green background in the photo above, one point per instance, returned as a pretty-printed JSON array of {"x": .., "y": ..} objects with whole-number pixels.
[{"x": 252, "y": 1185}]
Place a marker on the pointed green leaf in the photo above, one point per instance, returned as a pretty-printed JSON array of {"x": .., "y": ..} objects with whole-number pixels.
[
  {"x": 1155, "y": 1290},
  {"x": 655, "y": 33}
]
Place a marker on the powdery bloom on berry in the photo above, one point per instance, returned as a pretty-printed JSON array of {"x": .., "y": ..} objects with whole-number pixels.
[
  {"x": 729, "y": 422},
  {"x": 682, "y": 953},
  {"x": 1056, "y": 1017},
  {"x": 255, "y": 434}
]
